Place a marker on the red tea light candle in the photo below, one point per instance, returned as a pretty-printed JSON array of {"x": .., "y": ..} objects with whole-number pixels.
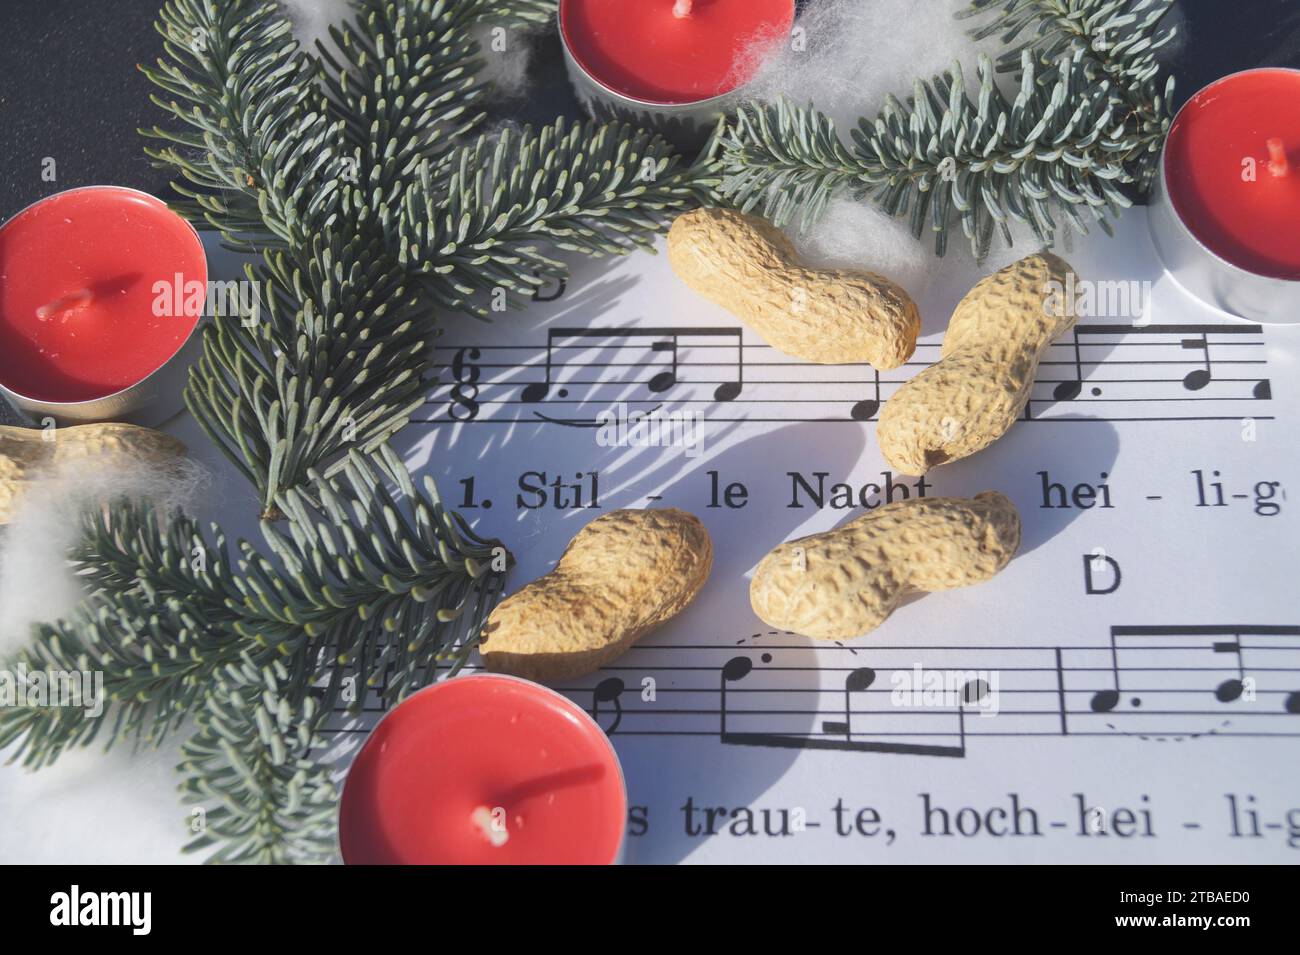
[
  {"x": 100, "y": 292},
  {"x": 484, "y": 770},
  {"x": 672, "y": 65},
  {"x": 1225, "y": 212}
]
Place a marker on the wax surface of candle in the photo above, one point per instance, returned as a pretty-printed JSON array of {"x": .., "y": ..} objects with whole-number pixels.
[
  {"x": 77, "y": 298},
  {"x": 1218, "y": 165},
  {"x": 642, "y": 49},
  {"x": 450, "y": 759}
]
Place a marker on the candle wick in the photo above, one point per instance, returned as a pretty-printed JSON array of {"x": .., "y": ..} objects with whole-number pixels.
[
  {"x": 67, "y": 303},
  {"x": 1278, "y": 164},
  {"x": 682, "y": 9},
  {"x": 486, "y": 821}
]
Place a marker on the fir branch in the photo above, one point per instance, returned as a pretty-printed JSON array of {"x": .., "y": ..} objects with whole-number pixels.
[
  {"x": 167, "y": 609},
  {"x": 576, "y": 187},
  {"x": 404, "y": 84},
  {"x": 336, "y": 359},
  {"x": 156, "y": 659},
  {"x": 254, "y": 138},
  {"x": 360, "y": 566},
  {"x": 335, "y": 363},
  {"x": 1079, "y": 128},
  {"x": 404, "y": 79},
  {"x": 787, "y": 162},
  {"x": 1124, "y": 36},
  {"x": 1122, "y": 39},
  {"x": 1053, "y": 147},
  {"x": 352, "y": 180},
  {"x": 261, "y": 797},
  {"x": 518, "y": 13}
]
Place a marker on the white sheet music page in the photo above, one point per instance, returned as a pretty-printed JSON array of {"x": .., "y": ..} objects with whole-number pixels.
[{"x": 1127, "y": 690}]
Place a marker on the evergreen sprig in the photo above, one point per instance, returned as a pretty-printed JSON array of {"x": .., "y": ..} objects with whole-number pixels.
[
  {"x": 168, "y": 608},
  {"x": 334, "y": 357},
  {"x": 322, "y": 165},
  {"x": 253, "y": 142},
  {"x": 507, "y": 199},
  {"x": 1087, "y": 120},
  {"x": 261, "y": 796}
]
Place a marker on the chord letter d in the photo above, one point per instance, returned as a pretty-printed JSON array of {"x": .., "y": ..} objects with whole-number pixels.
[{"x": 1097, "y": 563}]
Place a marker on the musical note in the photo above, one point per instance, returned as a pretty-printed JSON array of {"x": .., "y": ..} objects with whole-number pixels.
[
  {"x": 733, "y": 671},
  {"x": 1069, "y": 390},
  {"x": 1044, "y": 691},
  {"x": 665, "y": 379},
  {"x": 738, "y": 668},
  {"x": 751, "y": 382},
  {"x": 866, "y": 410},
  {"x": 973, "y": 693},
  {"x": 1198, "y": 378},
  {"x": 731, "y": 390},
  {"x": 1104, "y": 701},
  {"x": 856, "y": 682},
  {"x": 608, "y": 691},
  {"x": 1230, "y": 690},
  {"x": 538, "y": 390}
]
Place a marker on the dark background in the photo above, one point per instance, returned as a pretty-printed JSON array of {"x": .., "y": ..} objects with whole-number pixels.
[{"x": 69, "y": 87}]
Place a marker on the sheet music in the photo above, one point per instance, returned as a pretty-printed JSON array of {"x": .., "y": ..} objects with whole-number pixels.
[
  {"x": 1132, "y": 373},
  {"x": 1127, "y": 690}
]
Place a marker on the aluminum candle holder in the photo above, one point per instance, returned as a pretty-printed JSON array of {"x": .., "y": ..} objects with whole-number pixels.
[
  {"x": 150, "y": 402},
  {"x": 686, "y": 125}
]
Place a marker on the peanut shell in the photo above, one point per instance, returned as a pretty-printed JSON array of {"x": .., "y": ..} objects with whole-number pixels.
[
  {"x": 846, "y": 582},
  {"x": 621, "y": 576},
  {"x": 828, "y": 316},
  {"x": 982, "y": 381}
]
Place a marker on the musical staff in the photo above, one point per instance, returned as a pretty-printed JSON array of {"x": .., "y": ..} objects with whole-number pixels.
[
  {"x": 1099, "y": 372},
  {"x": 778, "y": 691}
]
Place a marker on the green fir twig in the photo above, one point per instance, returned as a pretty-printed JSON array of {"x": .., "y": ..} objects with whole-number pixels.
[{"x": 1087, "y": 121}]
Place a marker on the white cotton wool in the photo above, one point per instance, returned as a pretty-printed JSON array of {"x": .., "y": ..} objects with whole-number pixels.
[
  {"x": 36, "y": 580},
  {"x": 312, "y": 19},
  {"x": 859, "y": 235},
  {"x": 846, "y": 56},
  {"x": 98, "y": 808}
]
